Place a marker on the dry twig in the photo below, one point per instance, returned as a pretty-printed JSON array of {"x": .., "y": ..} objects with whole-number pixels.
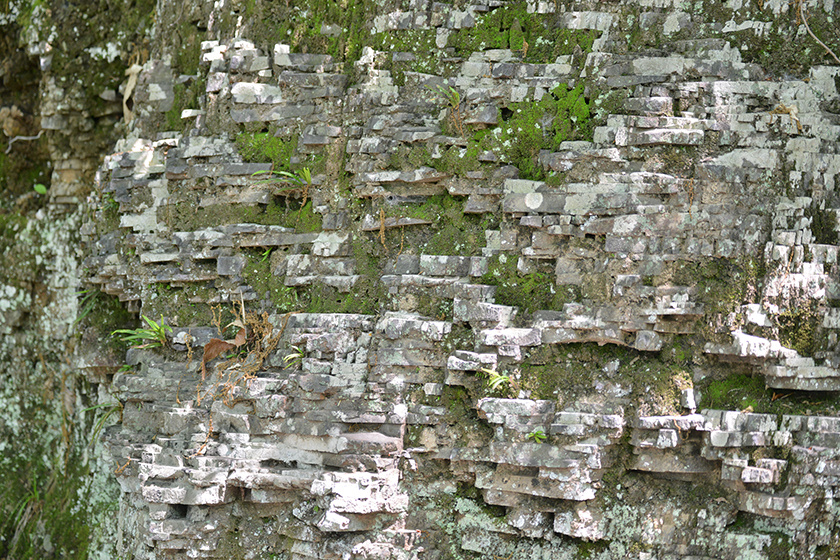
[{"x": 811, "y": 33}]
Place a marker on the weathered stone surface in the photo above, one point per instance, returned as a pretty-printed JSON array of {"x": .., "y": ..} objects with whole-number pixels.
[{"x": 501, "y": 251}]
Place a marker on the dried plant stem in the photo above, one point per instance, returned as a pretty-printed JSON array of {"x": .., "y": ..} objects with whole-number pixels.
[
  {"x": 382, "y": 229},
  {"x": 16, "y": 138},
  {"x": 811, "y": 33},
  {"x": 203, "y": 448}
]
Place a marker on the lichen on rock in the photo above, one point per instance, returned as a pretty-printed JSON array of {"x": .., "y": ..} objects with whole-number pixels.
[{"x": 510, "y": 280}]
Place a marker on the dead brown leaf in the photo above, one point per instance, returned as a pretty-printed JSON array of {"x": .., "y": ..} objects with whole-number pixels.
[
  {"x": 216, "y": 346},
  {"x": 239, "y": 339}
]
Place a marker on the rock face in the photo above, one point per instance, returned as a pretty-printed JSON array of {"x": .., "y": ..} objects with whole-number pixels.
[{"x": 510, "y": 280}]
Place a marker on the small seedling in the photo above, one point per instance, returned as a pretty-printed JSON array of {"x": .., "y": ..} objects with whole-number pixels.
[
  {"x": 453, "y": 98},
  {"x": 495, "y": 379},
  {"x": 304, "y": 178},
  {"x": 152, "y": 337},
  {"x": 537, "y": 435},
  {"x": 301, "y": 181},
  {"x": 295, "y": 357},
  {"x": 86, "y": 304},
  {"x": 97, "y": 428},
  {"x": 277, "y": 177},
  {"x": 39, "y": 188},
  {"x": 450, "y": 94},
  {"x": 265, "y": 255}
]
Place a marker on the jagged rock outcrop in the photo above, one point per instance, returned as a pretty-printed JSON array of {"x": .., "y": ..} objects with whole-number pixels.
[{"x": 507, "y": 280}]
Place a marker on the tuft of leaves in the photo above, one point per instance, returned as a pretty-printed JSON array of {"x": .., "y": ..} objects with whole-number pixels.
[
  {"x": 496, "y": 380},
  {"x": 537, "y": 435},
  {"x": 295, "y": 357},
  {"x": 152, "y": 337}
]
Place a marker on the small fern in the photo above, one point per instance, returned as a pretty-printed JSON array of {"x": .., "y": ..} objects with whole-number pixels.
[
  {"x": 496, "y": 380},
  {"x": 152, "y": 337},
  {"x": 295, "y": 357},
  {"x": 537, "y": 435}
]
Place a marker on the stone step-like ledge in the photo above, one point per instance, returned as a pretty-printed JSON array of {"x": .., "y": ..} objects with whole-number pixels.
[
  {"x": 406, "y": 325},
  {"x": 573, "y": 489},
  {"x": 343, "y": 284},
  {"x": 667, "y": 462},
  {"x": 471, "y": 361},
  {"x": 374, "y": 223},
  {"x": 769, "y": 505}
]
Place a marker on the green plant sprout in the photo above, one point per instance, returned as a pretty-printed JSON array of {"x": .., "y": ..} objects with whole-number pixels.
[
  {"x": 453, "y": 98},
  {"x": 300, "y": 181},
  {"x": 152, "y": 337},
  {"x": 537, "y": 435},
  {"x": 39, "y": 188},
  {"x": 450, "y": 94},
  {"x": 86, "y": 304},
  {"x": 265, "y": 254},
  {"x": 495, "y": 379},
  {"x": 97, "y": 428},
  {"x": 23, "y": 511},
  {"x": 304, "y": 178},
  {"x": 295, "y": 357}
]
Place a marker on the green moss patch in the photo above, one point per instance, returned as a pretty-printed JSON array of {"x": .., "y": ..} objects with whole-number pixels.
[
  {"x": 19, "y": 246},
  {"x": 419, "y": 52},
  {"x": 462, "y": 236},
  {"x": 561, "y": 115},
  {"x": 107, "y": 219},
  {"x": 572, "y": 371},
  {"x": 99, "y": 316},
  {"x": 459, "y": 161},
  {"x": 722, "y": 284},
  {"x": 187, "y": 96},
  {"x": 281, "y": 153},
  {"x": 406, "y": 159},
  {"x": 187, "y": 47},
  {"x": 304, "y": 26},
  {"x": 304, "y": 219},
  {"x": 823, "y": 224},
  {"x": 264, "y": 147},
  {"x": 184, "y": 216},
  {"x": 451, "y": 231},
  {"x": 366, "y": 297},
  {"x": 48, "y": 508},
  {"x": 257, "y": 273},
  {"x": 37, "y": 494},
  {"x": 742, "y": 391},
  {"x": 736, "y": 392},
  {"x": 798, "y": 329},
  {"x": 530, "y": 292},
  {"x": 25, "y": 166},
  {"x": 532, "y": 35},
  {"x": 525, "y": 128},
  {"x": 460, "y": 337},
  {"x": 174, "y": 303},
  {"x": 461, "y": 412},
  {"x": 592, "y": 549},
  {"x": 455, "y": 160}
]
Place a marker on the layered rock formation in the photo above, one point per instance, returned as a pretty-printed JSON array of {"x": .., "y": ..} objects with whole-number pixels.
[{"x": 515, "y": 280}]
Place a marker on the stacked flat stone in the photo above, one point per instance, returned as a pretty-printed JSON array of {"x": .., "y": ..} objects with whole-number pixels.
[{"x": 356, "y": 450}]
